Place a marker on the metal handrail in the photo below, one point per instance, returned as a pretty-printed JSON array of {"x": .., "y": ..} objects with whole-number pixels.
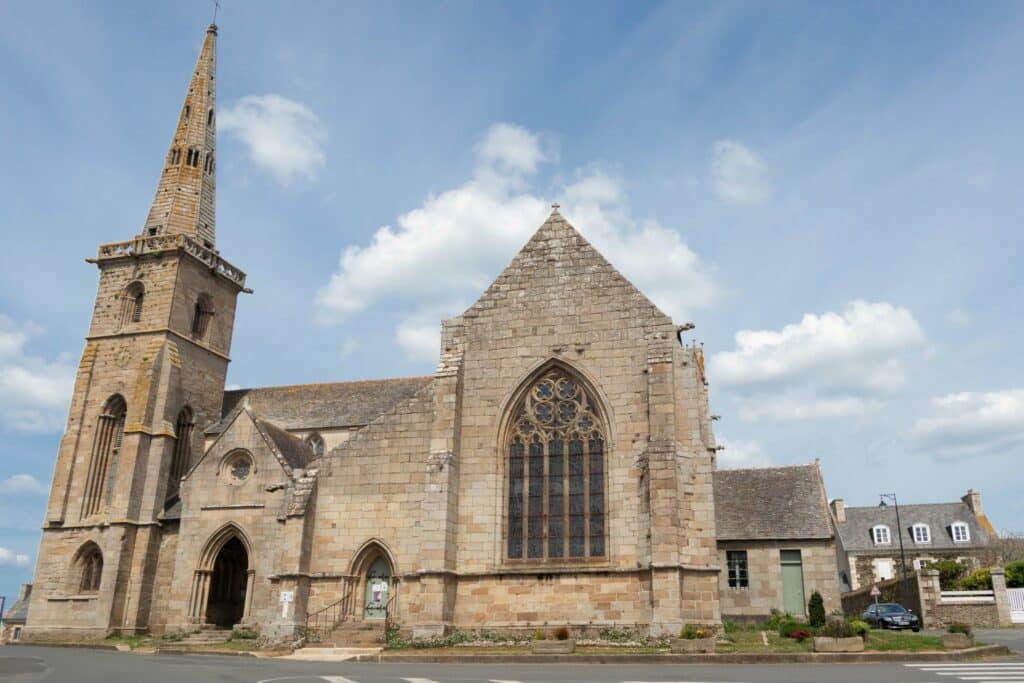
[
  {"x": 388, "y": 614},
  {"x": 326, "y": 619}
]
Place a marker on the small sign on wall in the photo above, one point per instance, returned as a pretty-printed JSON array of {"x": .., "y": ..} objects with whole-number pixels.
[{"x": 286, "y": 598}]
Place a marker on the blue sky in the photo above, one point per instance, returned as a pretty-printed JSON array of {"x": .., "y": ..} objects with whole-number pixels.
[{"x": 829, "y": 191}]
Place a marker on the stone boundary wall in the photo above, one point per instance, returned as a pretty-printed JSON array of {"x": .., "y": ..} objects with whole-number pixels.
[
  {"x": 939, "y": 613},
  {"x": 855, "y": 602}
]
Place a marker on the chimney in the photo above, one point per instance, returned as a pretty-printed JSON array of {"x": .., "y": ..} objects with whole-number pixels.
[
  {"x": 973, "y": 501},
  {"x": 838, "y": 510}
]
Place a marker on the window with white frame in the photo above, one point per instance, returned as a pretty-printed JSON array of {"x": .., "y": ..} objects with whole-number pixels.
[
  {"x": 922, "y": 533},
  {"x": 961, "y": 533},
  {"x": 880, "y": 535}
]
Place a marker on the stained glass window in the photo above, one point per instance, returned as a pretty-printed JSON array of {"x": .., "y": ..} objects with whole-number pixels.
[{"x": 556, "y": 472}]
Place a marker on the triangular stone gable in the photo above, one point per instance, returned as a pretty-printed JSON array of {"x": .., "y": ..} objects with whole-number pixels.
[
  {"x": 258, "y": 427},
  {"x": 558, "y": 248}
]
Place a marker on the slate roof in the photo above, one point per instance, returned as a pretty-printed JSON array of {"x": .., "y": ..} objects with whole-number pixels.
[
  {"x": 18, "y": 612},
  {"x": 291, "y": 449},
  {"x": 856, "y": 531},
  {"x": 320, "y": 406},
  {"x": 766, "y": 503}
]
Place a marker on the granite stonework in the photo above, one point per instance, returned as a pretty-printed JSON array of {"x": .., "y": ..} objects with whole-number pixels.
[{"x": 390, "y": 499}]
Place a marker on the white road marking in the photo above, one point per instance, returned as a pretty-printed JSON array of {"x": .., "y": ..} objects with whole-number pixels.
[
  {"x": 419, "y": 680},
  {"x": 337, "y": 679},
  {"x": 991, "y": 672}
]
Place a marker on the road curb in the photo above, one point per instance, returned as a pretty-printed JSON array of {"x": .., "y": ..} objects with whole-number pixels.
[
  {"x": 81, "y": 646},
  {"x": 731, "y": 658}
]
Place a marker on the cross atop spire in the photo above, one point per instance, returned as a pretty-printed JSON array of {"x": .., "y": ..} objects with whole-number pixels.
[{"x": 185, "y": 201}]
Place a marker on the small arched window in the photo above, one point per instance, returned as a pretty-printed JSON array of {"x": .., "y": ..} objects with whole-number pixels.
[
  {"x": 922, "y": 533},
  {"x": 175, "y": 156},
  {"x": 90, "y": 567},
  {"x": 105, "y": 451},
  {"x": 182, "y": 451},
  {"x": 316, "y": 444},
  {"x": 880, "y": 535},
  {"x": 184, "y": 117},
  {"x": 209, "y": 117},
  {"x": 201, "y": 315},
  {"x": 961, "y": 532},
  {"x": 131, "y": 303},
  {"x": 555, "y": 450}
]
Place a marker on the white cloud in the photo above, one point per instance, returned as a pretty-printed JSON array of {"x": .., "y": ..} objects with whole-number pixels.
[
  {"x": 23, "y": 483},
  {"x": 34, "y": 392},
  {"x": 284, "y": 137},
  {"x": 10, "y": 559},
  {"x": 958, "y": 317},
  {"x": 832, "y": 365},
  {"x": 741, "y": 454},
  {"x": 445, "y": 253},
  {"x": 971, "y": 423},
  {"x": 738, "y": 174},
  {"x": 348, "y": 347}
]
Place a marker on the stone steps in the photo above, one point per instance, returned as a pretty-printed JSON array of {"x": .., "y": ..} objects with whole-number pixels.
[
  {"x": 207, "y": 636},
  {"x": 350, "y": 634}
]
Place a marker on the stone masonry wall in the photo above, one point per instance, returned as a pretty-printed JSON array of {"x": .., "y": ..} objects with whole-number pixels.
[{"x": 765, "y": 577}]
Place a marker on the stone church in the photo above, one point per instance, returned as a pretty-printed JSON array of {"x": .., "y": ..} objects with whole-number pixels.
[{"x": 558, "y": 468}]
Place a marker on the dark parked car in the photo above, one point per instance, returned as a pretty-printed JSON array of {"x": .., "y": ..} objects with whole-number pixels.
[{"x": 891, "y": 615}]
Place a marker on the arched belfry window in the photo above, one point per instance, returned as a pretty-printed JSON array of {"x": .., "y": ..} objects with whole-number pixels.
[
  {"x": 105, "y": 450},
  {"x": 201, "y": 315},
  {"x": 131, "y": 303},
  {"x": 555, "y": 446},
  {"x": 182, "y": 450}
]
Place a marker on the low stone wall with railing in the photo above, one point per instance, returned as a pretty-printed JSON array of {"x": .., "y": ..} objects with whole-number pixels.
[{"x": 980, "y": 609}]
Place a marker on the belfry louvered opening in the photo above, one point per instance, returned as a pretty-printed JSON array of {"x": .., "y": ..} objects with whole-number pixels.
[{"x": 555, "y": 446}]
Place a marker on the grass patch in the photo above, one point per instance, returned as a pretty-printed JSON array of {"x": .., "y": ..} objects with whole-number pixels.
[
  {"x": 750, "y": 641},
  {"x": 889, "y": 641}
]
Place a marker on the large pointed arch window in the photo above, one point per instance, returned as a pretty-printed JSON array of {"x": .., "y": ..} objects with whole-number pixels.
[
  {"x": 555, "y": 446},
  {"x": 182, "y": 451},
  {"x": 105, "y": 451}
]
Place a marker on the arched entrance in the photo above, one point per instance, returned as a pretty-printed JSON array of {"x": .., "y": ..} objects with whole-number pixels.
[
  {"x": 225, "y": 605},
  {"x": 374, "y": 581}
]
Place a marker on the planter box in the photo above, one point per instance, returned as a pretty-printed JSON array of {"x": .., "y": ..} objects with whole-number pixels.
[
  {"x": 682, "y": 646},
  {"x": 957, "y": 641},
  {"x": 854, "y": 644},
  {"x": 553, "y": 647}
]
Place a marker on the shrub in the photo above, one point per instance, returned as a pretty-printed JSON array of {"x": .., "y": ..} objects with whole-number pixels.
[
  {"x": 774, "y": 620},
  {"x": 861, "y": 628},
  {"x": 730, "y": 626},
  {"x": 562, "y": 633},
  {"x": 837, "y": 629},
  {"x": 978, "y": 580},
  {"x": 538, "y": 634},
  {"x": 243, "y": 634},
  {"x": 691, "y": 632},
  {"x": 788, "y": 626},
  {"x": 949, "y": 571},
  {"x": 959, "y": 627},
  {"x": 800, "y": 635},
  {"x": 1015, "y": 574},
  {"x": 816, "y": 610}
]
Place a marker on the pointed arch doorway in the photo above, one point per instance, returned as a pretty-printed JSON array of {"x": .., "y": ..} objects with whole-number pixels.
[
  {"x": 225, "y": 605},
  {"x": 375, "y": 572}
]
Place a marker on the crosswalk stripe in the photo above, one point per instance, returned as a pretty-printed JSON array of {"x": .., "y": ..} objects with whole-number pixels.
[
  {"x": 337, "y": 679},
  {"x": 419, "y": 680},
  {"x": 944, "y": 665}
]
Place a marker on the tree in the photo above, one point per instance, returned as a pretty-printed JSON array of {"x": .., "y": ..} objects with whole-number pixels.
[
  {"x": 816, "y": 610},
  {"x": 950, "y": 572},
  {"x": 1015, "y": 574}
]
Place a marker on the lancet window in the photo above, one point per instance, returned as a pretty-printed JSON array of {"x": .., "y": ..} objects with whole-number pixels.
[
  {"x": 556, "y": 472},
  {"x": 105, "y": 451}
]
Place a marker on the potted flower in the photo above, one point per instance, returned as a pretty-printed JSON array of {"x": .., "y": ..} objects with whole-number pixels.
[
  {"x": 957, "y": 637},
  {"x": 838, "y": 636},
  {"x": 561, "y": 644},
  {"x": 694, "y": 640}
]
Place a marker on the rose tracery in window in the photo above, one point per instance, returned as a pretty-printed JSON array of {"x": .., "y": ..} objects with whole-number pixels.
[{"x": 555, "y": 447}]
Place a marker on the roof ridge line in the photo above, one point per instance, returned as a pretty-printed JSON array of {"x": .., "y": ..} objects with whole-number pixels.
[{"x": 322, "y": 384}]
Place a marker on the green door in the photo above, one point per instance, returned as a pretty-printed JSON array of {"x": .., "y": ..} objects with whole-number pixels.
[{"x": 793, "y": 582}]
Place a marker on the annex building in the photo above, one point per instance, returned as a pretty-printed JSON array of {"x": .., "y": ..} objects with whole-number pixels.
[{"x": 558, "y": 468}]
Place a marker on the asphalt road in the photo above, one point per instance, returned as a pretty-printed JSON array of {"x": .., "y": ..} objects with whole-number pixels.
[{"x": 66, "y": 665}]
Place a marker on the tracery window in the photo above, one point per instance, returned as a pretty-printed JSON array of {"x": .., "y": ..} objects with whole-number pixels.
[
  {"x": 556, "y": 465},
  {"x": 91, "y": 563},
  {"x": 316, "y": 444},
  {"x": 105, "y": 451},
  {"x": 201, "y": 315}
]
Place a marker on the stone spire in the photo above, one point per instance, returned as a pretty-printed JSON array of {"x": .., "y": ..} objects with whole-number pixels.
[{"x": 186, "y": 195}]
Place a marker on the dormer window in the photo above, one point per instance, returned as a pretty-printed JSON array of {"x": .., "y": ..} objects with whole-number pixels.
[
  {"x": 880, "y": 535},
  {"x": 922, "y": 533},
  {"x": 961, "y": 532}
]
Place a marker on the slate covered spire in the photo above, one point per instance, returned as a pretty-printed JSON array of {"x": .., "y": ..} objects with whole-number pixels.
[{"x": 185, "y": 201}]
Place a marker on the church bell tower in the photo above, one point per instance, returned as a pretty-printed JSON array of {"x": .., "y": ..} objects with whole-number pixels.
[{"x": 150, "y": 379}]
